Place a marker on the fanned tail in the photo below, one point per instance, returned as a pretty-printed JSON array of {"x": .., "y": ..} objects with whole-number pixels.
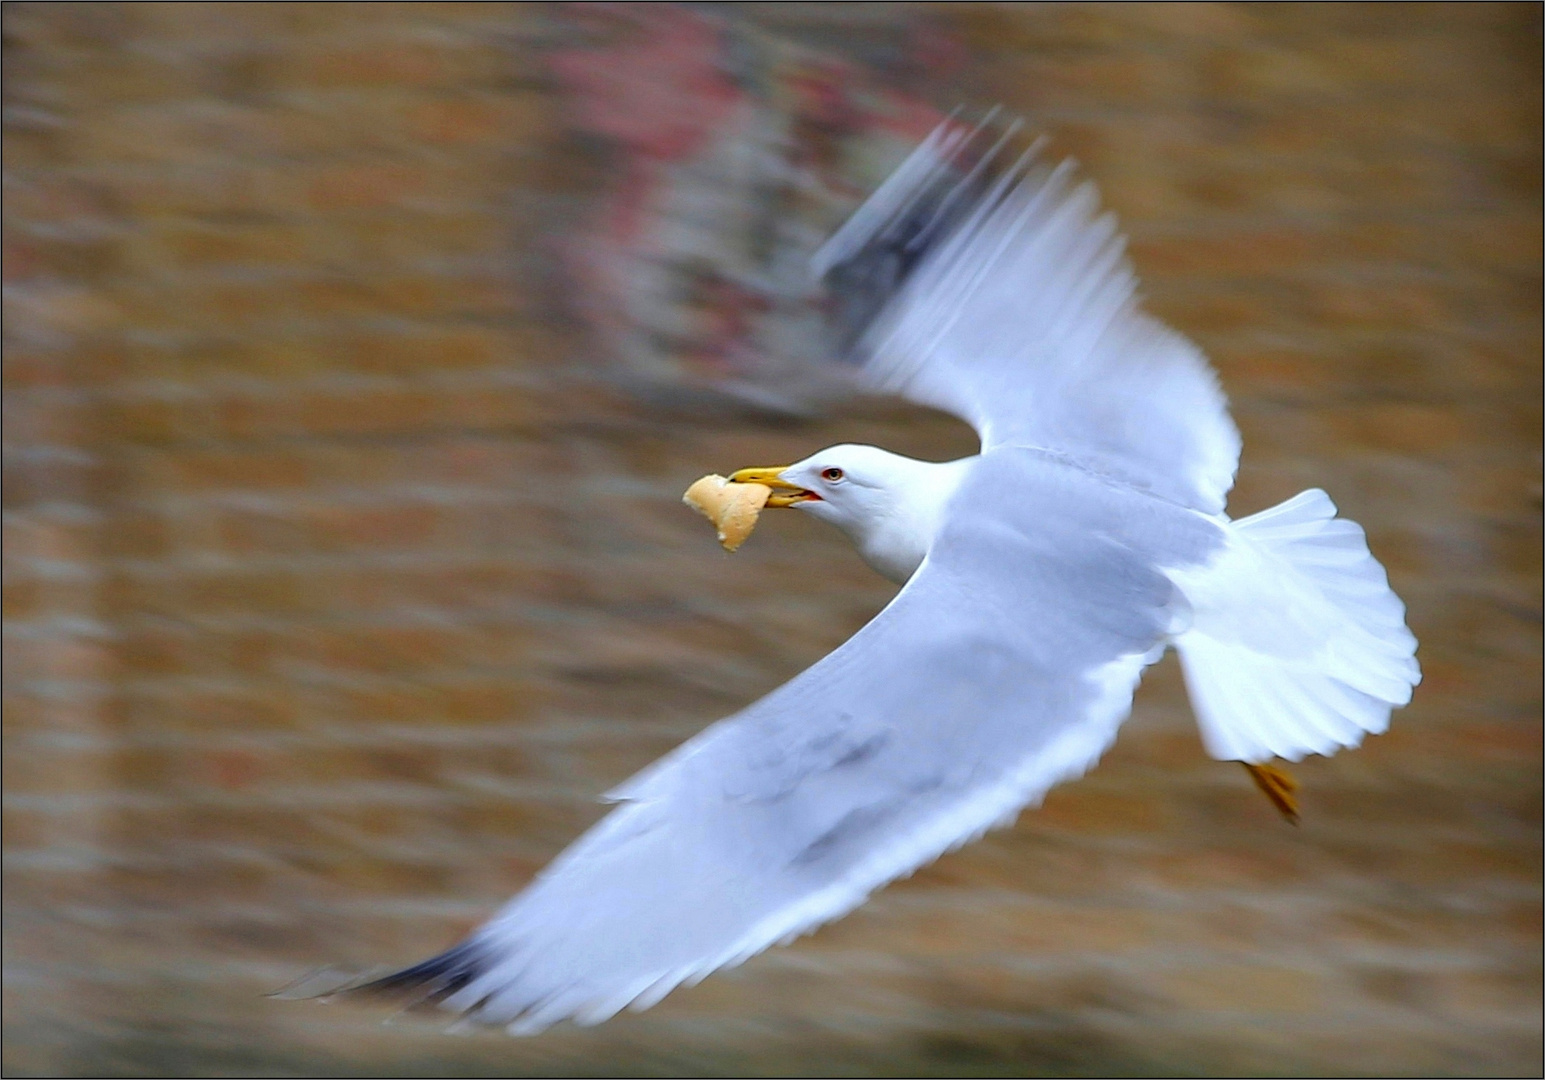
[{"x": 1297, "y": 645}]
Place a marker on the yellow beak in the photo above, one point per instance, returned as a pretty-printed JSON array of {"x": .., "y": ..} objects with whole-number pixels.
[{"x": 784, "y": 493}]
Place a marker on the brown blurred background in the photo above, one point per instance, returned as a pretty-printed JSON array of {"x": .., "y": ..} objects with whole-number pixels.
[{"x": 343, "y": 571}]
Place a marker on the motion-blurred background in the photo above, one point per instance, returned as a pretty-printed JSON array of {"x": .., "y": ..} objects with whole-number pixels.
[{"x": 356, "y": 357}]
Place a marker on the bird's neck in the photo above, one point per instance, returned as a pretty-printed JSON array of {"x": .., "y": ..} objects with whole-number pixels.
[{"x": 895, "y": 540}]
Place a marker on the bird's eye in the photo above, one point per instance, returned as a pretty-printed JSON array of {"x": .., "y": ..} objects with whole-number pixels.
[{"x": 831, "y": 475}]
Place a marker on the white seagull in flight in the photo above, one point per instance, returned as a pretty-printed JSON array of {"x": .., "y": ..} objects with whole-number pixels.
[{"x": 1040, "y": 577}]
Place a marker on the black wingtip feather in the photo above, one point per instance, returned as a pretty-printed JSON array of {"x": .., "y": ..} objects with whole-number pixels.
[
  {"x": 430, "y": 981},
  {"x": 861, "y": 285}
]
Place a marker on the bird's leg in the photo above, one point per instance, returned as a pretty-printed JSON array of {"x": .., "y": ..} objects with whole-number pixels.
[{"x": 1278, "y": 785}]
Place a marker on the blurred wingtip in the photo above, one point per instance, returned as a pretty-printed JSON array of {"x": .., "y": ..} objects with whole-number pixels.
[
  {"x": 320, "y": 984},
  {"x": 419, "y": 986}
]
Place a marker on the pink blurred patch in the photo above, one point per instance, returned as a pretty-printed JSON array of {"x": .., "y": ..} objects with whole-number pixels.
[
  {"x": 658, "y": 90},
  {"x": 733, "y": 149}
]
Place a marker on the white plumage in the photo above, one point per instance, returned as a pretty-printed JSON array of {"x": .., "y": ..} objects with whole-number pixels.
[
  {"x": 1297, "y": 645},
  {"x": 1040, "y": 577}
]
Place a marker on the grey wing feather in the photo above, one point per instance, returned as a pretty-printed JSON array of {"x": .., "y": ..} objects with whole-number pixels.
[
  {"x": 1000, "y": 294},
  {"x": 1003, "y": 667}
]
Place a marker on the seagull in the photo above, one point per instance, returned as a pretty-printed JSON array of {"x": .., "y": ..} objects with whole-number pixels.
[{"x": 1039, "y": 578}]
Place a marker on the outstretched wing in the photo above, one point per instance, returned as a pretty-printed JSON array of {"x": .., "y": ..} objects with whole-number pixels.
[
  {"x": 1003, "y": 667},
  {"x": 1001, "y": 295}
]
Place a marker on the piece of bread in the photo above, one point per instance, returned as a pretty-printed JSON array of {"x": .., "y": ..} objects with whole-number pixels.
[{"x": 733, "y": 508}]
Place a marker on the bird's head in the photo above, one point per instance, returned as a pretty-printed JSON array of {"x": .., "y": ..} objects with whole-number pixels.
[{"x": 859, "y": 489}]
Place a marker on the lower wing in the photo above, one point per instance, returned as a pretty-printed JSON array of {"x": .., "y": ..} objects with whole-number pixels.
[{"x": 1005, "y": 666}]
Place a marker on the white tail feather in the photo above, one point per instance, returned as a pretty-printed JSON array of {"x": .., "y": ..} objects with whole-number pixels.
[{"x": 1297, "y": 644}]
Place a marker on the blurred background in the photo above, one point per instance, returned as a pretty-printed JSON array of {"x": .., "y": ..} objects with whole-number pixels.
[{"x": 356, "y": 357}]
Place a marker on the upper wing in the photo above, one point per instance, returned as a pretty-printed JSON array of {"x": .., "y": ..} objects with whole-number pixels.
[
  {"x": 1003, "y": 667},
  {"x": 1009, "y": 303}
]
